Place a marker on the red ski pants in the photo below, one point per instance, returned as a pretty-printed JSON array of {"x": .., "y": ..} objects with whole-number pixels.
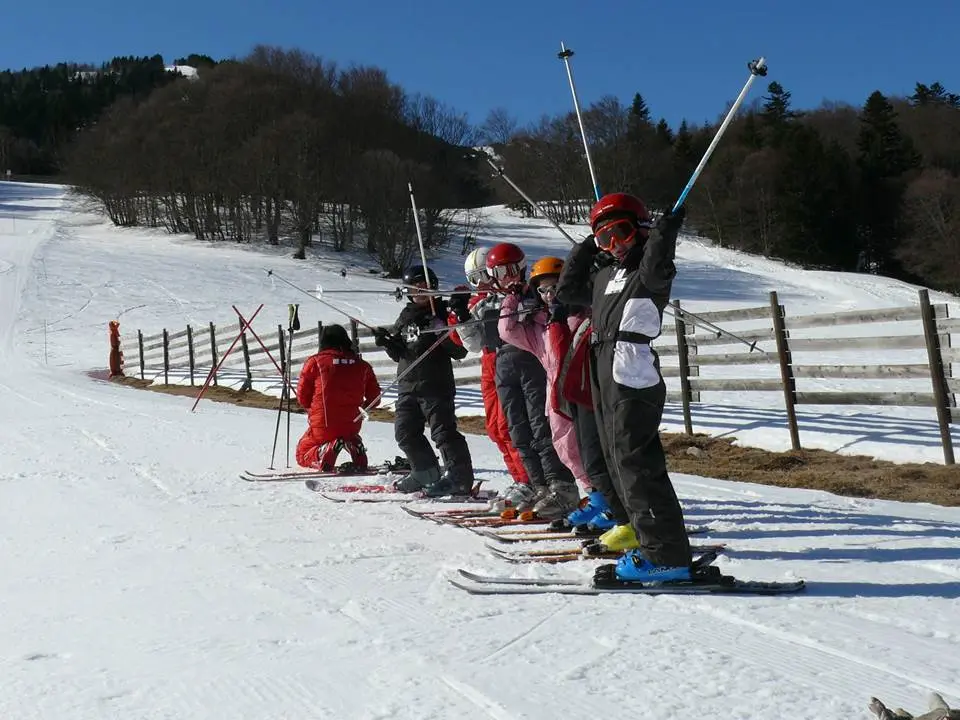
[{"x": 496, "y": 420}]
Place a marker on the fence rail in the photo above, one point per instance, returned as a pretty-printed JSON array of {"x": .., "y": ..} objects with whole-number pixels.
[{"x": 901, "y": 356}]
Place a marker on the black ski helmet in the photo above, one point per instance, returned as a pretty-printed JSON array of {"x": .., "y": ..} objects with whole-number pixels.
[
  {"x": 415, "y": 274},
  {"x": 335, "y": 337}
]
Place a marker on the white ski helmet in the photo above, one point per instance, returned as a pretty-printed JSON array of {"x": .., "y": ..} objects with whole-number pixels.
[{"x": 475, "y": 267}]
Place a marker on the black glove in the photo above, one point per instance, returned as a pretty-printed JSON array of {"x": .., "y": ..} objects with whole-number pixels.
[
  {"x": 588, "y": 246},
  {"x": 459, "y": 305},
  {"x": 671, "y": 222},
  {"x": 381, "y": 337},
  {"x": 558, "y": 313}
]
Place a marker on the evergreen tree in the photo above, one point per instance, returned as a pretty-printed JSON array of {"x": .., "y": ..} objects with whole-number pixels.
[
  {"x": 750, "y": 134},
  {"x": 639, "y": 112},
  {"x": 683, "y": 143},
  {"x": 885, "y": 156},
  {"x": 197, "y": 60},
  {"x": 664, "y": 133},
  {"x": 935, "y": 94},
  {"x": 816, "y": 194},
  {"x": 776, "y": 112}
]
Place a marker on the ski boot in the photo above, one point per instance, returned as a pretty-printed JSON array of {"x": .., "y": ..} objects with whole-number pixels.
[
  {"x": 601, "y": 523},
  {"x": 327, "y": 455},
  {"x": 635, "y": 568},
  {"x": 621, "y": 537},
  {"x": 449, "y": 484},
  {"x": 417, "y": 480},
  {"x": 517, "y": 496},
  {"x": 358, "y": 454},
  {"x": 558, "y": 501},
  {"x": 589, "y": 508},
  {"x": 398, "y": 464}
]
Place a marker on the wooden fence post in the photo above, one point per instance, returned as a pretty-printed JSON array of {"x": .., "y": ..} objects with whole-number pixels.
[
  {"x": 140, "y": 346},
  {"x": 948, "y": 368},
  {"x": 190, "y": 354},
  {"x": 681, "y": 327},
  {"x": 248, "y": 382},
  {"x": 935, "y": 360},
  {"x": 786, "y": 369},
  {"x": 166, "y": 357},
  {"x": 213, "y": 351}
]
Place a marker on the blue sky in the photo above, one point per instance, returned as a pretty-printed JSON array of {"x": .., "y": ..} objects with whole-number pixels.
[{"x": 686, "y": 59}]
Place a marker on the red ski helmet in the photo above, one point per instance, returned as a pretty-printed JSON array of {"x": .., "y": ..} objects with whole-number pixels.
[
  {"x": 619, "y": 204},
  {"x": 506, "y": 260}
]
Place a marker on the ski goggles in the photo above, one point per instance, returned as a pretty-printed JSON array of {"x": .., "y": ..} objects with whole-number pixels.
[
  {"x": 478, "y": 276},
  {"x": 615, "y": 234},
  {"x": 508, "y": 271},
  {"x": 547, "y": 289}
]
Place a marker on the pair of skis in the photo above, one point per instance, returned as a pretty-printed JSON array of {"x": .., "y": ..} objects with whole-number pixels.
[
  {"x": 705, "y": 580},
  {"x": 306, "y": 473},
  {"x": 389, "y": 494},
  {"x": 319, "y": 481}
]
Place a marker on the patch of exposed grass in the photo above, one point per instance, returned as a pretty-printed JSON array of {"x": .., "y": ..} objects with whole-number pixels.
[{"x": 849, "y": 475}]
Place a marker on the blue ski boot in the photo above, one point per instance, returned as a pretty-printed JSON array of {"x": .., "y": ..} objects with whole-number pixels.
[
  {"x": 634, "y": 567},
  {"x": 602, "y": 522},
  {"x": 583, "y": 515}
]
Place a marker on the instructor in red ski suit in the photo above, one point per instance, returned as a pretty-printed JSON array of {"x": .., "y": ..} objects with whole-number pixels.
[{"x": 334, "y": 384}]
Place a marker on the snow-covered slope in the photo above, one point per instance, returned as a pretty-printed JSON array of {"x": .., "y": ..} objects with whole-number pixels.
[{"x": 142, "y": 579}]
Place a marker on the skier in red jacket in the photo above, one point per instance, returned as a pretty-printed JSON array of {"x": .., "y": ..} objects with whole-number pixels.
[{"x": 334, "y": 384}]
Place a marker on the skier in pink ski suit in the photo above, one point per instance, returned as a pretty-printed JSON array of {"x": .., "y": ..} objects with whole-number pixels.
[{"x": 529, "y": 332}]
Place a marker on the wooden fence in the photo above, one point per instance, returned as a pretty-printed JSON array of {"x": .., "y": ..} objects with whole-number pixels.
[{"x": 763, "y": 350}]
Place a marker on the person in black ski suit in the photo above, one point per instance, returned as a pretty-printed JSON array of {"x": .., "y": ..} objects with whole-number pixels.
[
  {"x": 627, "y": 297},
  {"x": 522, "y": 386},
  {"x": 426, "y": 392}
]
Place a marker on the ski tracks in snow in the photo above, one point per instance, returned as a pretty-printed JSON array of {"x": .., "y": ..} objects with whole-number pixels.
[{"x": 140, "y": 471}]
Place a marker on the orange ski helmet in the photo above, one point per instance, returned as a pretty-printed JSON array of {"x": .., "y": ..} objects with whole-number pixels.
[{"x": 545, "y": 267}]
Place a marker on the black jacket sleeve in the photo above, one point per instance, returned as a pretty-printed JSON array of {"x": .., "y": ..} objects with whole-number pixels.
[
  {"x": 575, "y": 286},
  {"x": 391, "y": 342},
  {"x": 657, "y": 268},
  {"x": 455, "y": 351}
]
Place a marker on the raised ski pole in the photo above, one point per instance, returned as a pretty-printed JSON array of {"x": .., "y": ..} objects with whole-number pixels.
[
  {"x": 758, "y": 68},
  {"x": 565, "y": 54},
  {"x": 423, "y": 252},
  {"x": 703, "y": 322}
]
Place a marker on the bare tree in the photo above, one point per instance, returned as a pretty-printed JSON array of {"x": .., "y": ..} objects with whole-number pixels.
[
  {"x": 499, "y": 128},
  {"x": 385, "y": 206},
  {"x": 932, "y": 249},
  {"x": 428, "y": 115}
]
